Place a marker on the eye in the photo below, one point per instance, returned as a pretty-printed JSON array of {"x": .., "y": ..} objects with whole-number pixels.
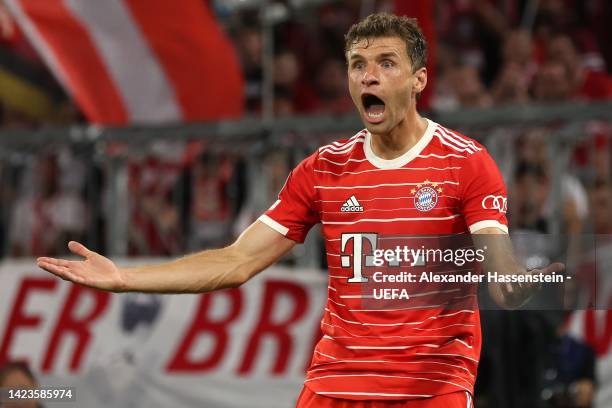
[
  {"x": 387, "y": 64},
  {"x": 358, "y": 65}
]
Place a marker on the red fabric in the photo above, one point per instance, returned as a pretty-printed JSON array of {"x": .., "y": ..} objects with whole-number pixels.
[
  {"x": 86, "y": 75},
  {"x": 596, "y": 86},
  {"x": 19, "y": 44},
  {"x": 198, "y": 62},
  {"x": 369, "y": 355},
  {"x": 309, "y": 399},
  {"x": 196, "y": 56}
]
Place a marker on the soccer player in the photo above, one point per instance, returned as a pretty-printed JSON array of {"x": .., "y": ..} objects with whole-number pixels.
[{"x": 403, "y": 174}]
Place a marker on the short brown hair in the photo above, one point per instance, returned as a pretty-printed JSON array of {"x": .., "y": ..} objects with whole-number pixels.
[
  {"x": 389, "y": 25},
  {"x": 14, "y": 366}
]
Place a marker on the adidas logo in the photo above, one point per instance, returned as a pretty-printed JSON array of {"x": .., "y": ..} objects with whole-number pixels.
[{"x": 351, "y": 205}]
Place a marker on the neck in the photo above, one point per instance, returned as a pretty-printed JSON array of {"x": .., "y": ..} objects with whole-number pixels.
[{"x": 401, "y": 138}]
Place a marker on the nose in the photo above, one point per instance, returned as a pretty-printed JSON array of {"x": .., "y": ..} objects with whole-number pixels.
[{"x": 370, "y": 77}]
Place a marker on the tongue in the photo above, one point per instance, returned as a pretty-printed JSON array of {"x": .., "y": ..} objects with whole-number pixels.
[{"x": 376, "y": 109}]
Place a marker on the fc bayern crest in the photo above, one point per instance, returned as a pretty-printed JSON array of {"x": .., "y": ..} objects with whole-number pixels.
[{"x": 426, "y": 196}]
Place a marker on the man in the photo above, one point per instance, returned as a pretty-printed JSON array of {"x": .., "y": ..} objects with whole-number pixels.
[
  {"x": 403, "y": 174},
  {"x": 17, "y": 376}
]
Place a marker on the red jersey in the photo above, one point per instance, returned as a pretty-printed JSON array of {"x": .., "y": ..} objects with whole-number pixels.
[{"x": 446, "y": 184}]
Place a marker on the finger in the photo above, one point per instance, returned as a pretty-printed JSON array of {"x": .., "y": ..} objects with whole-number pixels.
[
  {"x": 74, "y": 267},
  {"x": 555, "y": 267},
  {"x": 58, "y": 270},
  {"x": 509, "y": 288},
  {"x": 56, "y": 262},
  {"x": 79, "y": 249},
  {"x": 62, "y": 272}
]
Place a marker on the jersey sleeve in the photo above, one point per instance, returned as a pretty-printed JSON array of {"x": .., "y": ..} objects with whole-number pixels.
[
  {"x": 484, "y": 201},
  {"x": 294, "y": 213}
]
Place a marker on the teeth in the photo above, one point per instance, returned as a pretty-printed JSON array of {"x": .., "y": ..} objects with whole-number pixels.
[{"x": 375, "y": 115}]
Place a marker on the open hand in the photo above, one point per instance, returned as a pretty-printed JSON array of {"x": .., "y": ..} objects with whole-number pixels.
[
  {"x": 95, "y": 270},
  {"x": 517, "y": 294}
]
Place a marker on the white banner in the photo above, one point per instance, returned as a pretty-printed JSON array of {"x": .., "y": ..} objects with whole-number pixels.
[{"x": 247, "y": 347}]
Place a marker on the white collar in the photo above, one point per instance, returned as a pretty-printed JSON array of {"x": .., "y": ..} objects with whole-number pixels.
[{"x": 405, "y": 158}]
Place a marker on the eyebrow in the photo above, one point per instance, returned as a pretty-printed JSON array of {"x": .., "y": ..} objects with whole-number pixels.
[
  {"x": 379, "y": 56},
  {"x": 387, "y": 55}
]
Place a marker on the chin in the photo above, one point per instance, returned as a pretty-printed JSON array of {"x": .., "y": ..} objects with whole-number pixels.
[{"x": 381, "y": 127}]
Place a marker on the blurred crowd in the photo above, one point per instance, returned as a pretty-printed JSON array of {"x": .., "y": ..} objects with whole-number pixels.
[
  {"x": 497, "y": 53},
  {"x": 485, "y": 53}
]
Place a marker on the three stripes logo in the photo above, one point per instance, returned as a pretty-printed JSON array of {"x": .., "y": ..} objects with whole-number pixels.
[{"x": 351, "y": 205}]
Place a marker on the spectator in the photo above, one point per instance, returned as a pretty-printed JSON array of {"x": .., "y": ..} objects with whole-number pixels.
[
  {"x": 210, "y": 206},
  {"x": 593, "y": 154},
  {"x": 267, "y": 175},
  {"x": 601, "y": 207},
  {"x": 511, "y": 86},
  {"x": 553, "y": 83},
  {"x": 444, "y": 98},
  {"x": 249, "y": 44},
  {"x": 469, "y": 89},
  {"x": 283, "y": 102},
  {"x": 531, "y": 190},
  {"x": 154, "y": 227},
  {"x": 518, "y": 50},
  {"x": 49, "y": 215},
  {"x": 331, "y": 88},
  {"x": 586, "y": 83},
  {"x": 518, "y": 70},
  {"x": 17, "y": 375},
  {"x": 288, "y": 85}
]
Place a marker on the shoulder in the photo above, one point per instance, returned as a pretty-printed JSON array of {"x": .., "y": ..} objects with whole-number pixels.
[
  {"x": 337, "y": 153},
  {"x": 466, "y": 152},
  {"x": 455, "y": 144},
  {"x": 334, "y": 152},
  {"x": 333, "y": 156},
  {"x": 342, "y": 147},
  {"x": 451, "y": 141}
]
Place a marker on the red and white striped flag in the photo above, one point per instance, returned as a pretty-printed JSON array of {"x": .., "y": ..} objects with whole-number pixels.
[{"x": 136, "y": 61}]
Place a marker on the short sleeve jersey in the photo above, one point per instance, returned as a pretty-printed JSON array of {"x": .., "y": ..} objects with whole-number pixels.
[{"x": 446, "y": 184}]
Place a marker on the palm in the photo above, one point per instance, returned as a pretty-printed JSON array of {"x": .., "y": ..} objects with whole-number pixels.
[
  {"x": 94, "y": 270},
  {"x": 517, "y": 295}
]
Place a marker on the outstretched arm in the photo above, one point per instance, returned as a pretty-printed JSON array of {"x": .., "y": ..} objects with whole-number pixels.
[
  {"x": 257, "y": 248},
  {"x": 500, "y": 257}
]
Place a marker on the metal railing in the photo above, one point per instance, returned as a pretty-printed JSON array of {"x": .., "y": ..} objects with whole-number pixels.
[{"x": 107, "y": 152}]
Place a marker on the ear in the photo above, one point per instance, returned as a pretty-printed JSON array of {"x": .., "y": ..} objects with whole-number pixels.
[{"x": 420, "y": 80}]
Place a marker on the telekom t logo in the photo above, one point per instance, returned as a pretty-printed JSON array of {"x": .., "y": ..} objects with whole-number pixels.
[
  {"x": 358, "y": 252},
  {"x": 376, "y": 257}
]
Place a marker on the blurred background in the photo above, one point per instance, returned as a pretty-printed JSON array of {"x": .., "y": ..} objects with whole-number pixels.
[{"x": 153, "y": 129}]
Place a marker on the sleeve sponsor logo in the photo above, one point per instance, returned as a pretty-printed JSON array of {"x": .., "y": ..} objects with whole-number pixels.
[{"x": 495, "y": 202}]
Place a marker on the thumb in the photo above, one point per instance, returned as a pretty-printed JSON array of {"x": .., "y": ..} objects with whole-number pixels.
[
  {"x": 79, "y": 249},
  {"x": 553, "y": 268}
]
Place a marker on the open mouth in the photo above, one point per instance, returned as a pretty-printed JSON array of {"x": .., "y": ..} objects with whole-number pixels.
[{"x": 373, "y": 105}]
